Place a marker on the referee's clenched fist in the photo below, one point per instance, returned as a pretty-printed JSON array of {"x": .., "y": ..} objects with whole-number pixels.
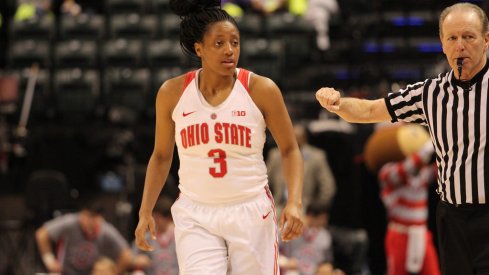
[{"x": 329, "y": 98}]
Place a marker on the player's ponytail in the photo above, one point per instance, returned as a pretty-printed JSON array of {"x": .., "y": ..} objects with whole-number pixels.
[{"x": 196, "y": 16}]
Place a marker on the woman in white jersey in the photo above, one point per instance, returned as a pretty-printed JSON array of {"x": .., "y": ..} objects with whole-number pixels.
[{"x": 217, "y": 116}]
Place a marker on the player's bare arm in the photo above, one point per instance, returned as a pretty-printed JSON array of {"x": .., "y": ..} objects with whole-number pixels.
[
  {"x": 160, "y": 160},
  {"x": 353, "y": 109},
  {"x": 269, "y": 99}
]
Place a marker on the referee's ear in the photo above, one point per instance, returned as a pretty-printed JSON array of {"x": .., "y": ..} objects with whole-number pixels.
[{"x": 486, "y": 38}]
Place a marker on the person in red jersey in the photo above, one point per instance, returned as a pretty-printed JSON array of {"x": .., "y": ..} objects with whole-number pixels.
[{"x": 408, "y": 242}]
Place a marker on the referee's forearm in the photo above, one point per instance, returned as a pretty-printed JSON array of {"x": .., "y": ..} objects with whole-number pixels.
[{"x": 358, "y": 110}]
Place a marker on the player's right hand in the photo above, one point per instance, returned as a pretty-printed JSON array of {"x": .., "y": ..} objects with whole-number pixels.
[
  {"x": 329, "y": 98},
  {"x": 146, "y": 223},
  {"x": 52, "y": 264},
  {"x": 54, "y": 267},
  {"x": 291, "y": 222}
]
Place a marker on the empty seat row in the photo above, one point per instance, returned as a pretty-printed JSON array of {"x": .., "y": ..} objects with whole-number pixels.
[
  {"x": 77, "y": 92},
  {"x": 112, "y": 6},
  {"x": 141, "y": 6},
  {"x": 91, "y": 53},
  {"x": 96, "y": 26},
  {"x": 124, "y": 52},
  {"x": 134, "y": 25}
]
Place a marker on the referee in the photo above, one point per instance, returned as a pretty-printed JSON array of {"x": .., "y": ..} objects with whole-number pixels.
[{"x": 454, "y": 107}]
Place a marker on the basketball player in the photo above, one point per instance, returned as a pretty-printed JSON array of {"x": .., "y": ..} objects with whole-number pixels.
[{"x": 217, "y": 117}]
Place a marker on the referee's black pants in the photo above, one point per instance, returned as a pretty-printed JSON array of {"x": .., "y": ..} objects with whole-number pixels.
[{"x": 463, "y": 239}]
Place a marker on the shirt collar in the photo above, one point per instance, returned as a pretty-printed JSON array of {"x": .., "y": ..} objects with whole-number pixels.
[{"x": 475, "y": 79}]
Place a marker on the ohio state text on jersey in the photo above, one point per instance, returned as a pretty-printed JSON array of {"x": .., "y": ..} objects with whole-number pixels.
[{"x": 220, "y": 147}]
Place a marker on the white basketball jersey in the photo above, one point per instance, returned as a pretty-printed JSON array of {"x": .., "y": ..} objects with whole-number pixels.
[{"x": 220, "y": 147}]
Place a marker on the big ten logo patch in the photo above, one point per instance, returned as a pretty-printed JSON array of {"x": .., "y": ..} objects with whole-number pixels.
[{"x": 238, "y": 113}]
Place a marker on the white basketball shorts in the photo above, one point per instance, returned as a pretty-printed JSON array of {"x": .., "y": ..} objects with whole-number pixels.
[{"x": 238, "y": 239}]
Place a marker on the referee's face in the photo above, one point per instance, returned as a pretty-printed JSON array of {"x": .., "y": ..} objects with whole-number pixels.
[{"x": 462, "y": 37}]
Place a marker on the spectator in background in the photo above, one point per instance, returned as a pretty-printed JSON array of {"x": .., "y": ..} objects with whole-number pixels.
[
  {"x": 70, "y": 7},
  {"x": 319, "y": 182},
  {"x": 318, "y": 12},
  {"x": 236, "y": 8},
  {"x": 163, "y": 259},
  {"x": 408, "y": 242},
  {"x": 32, "y": 9},
  {"x": 267, "y": 6},
  {"x": 328, "y": 269},
  {"x": 80, "y": 240},
  {"x": 313, "y": 248},
  {"x": 104, "y": 266}
]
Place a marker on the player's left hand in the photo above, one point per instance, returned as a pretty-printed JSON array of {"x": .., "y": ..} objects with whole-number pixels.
[{"x": 290, "y": 223}]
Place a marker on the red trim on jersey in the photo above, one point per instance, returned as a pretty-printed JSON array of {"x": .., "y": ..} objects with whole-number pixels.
[
  {"x": 275, "y": 265},
  {"x": 188, "y": 78},
  {"x": 243, "y": 77},
  {"x": 407, "y": 222},
  {"x": 275, "y": 245},
  {"x": 413, "y": 204}
]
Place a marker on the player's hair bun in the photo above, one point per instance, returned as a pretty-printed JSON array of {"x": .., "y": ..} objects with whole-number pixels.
[{"x": 186, "y": 7}]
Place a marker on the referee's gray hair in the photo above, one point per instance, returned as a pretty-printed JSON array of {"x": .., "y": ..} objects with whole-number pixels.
[{"x": 466, "y": 6}]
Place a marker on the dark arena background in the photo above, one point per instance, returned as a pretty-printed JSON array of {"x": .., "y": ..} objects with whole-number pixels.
[{"x": 77, "y": 108}]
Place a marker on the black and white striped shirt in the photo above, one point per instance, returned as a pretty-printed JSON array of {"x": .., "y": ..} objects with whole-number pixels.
[{"x": 456, "y": 115}]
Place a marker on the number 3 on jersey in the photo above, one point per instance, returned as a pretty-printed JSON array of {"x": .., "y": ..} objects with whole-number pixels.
[{"x": 220, "y": 158}]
